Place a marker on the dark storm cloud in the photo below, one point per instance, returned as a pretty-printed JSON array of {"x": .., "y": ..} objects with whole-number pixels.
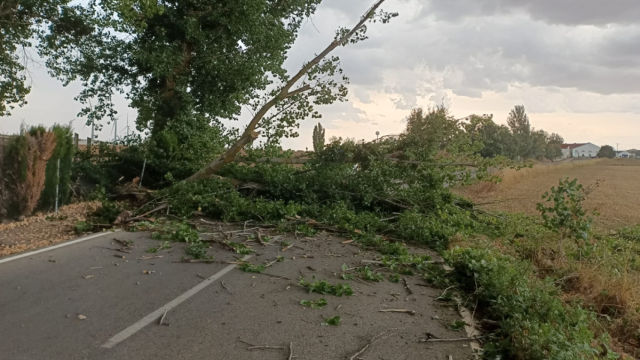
[
  {"x": 474, "y": 46},
  {"x": 565, "y": 12}
]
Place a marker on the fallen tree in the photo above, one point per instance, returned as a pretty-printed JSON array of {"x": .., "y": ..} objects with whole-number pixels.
[{"x": 299, "y": 99}]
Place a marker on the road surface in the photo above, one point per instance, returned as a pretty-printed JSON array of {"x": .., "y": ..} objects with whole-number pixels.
[{"x": 82, "y": 302}]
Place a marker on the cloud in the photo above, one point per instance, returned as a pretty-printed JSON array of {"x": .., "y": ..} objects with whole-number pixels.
[{"x": 565, "y": 12}]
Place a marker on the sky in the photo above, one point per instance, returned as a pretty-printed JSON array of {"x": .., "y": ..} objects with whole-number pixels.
[{"x": 573, "y": 64}]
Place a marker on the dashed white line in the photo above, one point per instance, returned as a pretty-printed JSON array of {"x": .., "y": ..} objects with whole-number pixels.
[{"x": 124, "y": 334}]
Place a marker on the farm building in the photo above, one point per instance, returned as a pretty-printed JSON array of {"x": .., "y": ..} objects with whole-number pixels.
[
  {"x": 625, "y": 155},
  {"x": 579, "y": 150}
]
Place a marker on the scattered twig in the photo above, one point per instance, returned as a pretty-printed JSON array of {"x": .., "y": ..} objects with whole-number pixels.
[
  {"x": 452, "y": 340},
  {"x": 572, "y": 276},
  {"x": 406, "y": 286},
  {"x": 162, "y": 318},
  {"x": 290, "y": 350},
  {"x": 410, "y": 312},
  {"x": 226, "y": 288},
  {"x": 275, "y": 276},
  {"x": 259, "y": 237},
  {"x": 374, "y": 340},
  {"x": 288, "y": 247},
  {"x": 260, "y": 347},
  {"x": 201, "y": 277}
]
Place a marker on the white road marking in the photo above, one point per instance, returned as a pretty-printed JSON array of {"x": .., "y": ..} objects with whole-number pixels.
[
  {"x": 124, "y": 334},
  {"x": 31, "y": 253}
]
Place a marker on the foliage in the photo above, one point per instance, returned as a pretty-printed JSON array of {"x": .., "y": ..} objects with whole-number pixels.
[
  {"x": 332, "y": 321},
  {"x": 565, "y": 214},
  {"x": 607, "y": 151},
  {"x": 82, "y": 227},
  {"x": 248, "y": 267},
  {"x": 518, "y": 141},
  {"x": 325, "y": 288},
  {"x": 314, "y": 304},
  {"x": 21, "y": 22},
  {"x": 64, "y": 151},
  {"x": 318, "y": 138},
  {"x": 535, "y": 324},
  {"x": 25, "y": 161},
  {"x": 240, "y": 248},
  {"x": 367, "y": 274}
]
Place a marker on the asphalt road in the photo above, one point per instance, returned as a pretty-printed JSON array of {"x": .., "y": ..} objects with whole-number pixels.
[{"x": 43, "y": 296}]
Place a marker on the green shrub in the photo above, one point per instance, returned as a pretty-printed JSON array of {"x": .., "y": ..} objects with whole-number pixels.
[{"x": 535, "y": 323}]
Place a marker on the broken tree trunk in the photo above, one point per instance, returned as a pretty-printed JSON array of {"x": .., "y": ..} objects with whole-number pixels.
[{"x": 250, "y": 134}]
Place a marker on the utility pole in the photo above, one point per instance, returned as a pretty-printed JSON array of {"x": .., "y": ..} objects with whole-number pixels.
[
  {"x": 127, "y": 125},
  {"x": 115, "y": 131},
  {"x": 617, "y": 145}
]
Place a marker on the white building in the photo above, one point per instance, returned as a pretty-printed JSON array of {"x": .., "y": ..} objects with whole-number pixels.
[
  {"x": 625, "y": 155},
  {"x": 579, "y": 150}
]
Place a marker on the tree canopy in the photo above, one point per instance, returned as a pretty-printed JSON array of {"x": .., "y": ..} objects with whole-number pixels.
[
  {"x": 607, "y": 151},
  {"x": 182, "y": 64}
]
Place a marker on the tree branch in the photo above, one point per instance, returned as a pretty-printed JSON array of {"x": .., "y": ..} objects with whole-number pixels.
[{"x": 247, "y": 136}]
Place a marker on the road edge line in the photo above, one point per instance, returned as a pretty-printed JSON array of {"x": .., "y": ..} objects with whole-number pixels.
[
  {"x": 126, "y": 333},
  {"x": 57, "y": 246}
]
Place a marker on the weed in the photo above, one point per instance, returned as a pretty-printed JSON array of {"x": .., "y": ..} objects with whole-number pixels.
[
  {"x": 332, "y": 321},
  {"x": 394, "y": 278},
  {"x": 152, "y": 250},
  {"x": 314, "y": 304},
  {"x": 165, "y": 245}
]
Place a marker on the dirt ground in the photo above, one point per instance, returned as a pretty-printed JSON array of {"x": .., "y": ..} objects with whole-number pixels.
[
  {"x": 43, "y": 230},
  {"x": 617, "y": 199}
]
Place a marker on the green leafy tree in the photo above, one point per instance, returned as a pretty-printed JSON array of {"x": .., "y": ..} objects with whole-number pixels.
[
  {"x": 607, "y": 151},
  {"x": 318, "y": 138},
  {"x": 182, "y": 64},
  {"x": 21, "y": 22},
  {"x": 518, "y": 122}
]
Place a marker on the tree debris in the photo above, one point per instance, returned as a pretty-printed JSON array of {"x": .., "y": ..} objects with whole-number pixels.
[
  {"x": 162, "y": 318},
  {"x": 226, "y": 288},
  {"x": 406, "y": 286},
  {"x": 410, "y": 312},
  {"x": 374, "y": 340}
]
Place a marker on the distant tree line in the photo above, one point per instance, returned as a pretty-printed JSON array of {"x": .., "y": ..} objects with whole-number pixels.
[{"x": 517, "y": 140}]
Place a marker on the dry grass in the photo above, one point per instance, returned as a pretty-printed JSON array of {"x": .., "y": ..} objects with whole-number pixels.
[{"x": 617, "y": 199}]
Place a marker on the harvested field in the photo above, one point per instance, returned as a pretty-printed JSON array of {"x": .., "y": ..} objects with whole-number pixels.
[{"x": 617, "y": 199}]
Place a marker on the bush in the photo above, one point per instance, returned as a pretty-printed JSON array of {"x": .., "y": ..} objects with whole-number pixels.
[
  {"x": 25, "y": 162},
  {"x": 535, "y": 324}
]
